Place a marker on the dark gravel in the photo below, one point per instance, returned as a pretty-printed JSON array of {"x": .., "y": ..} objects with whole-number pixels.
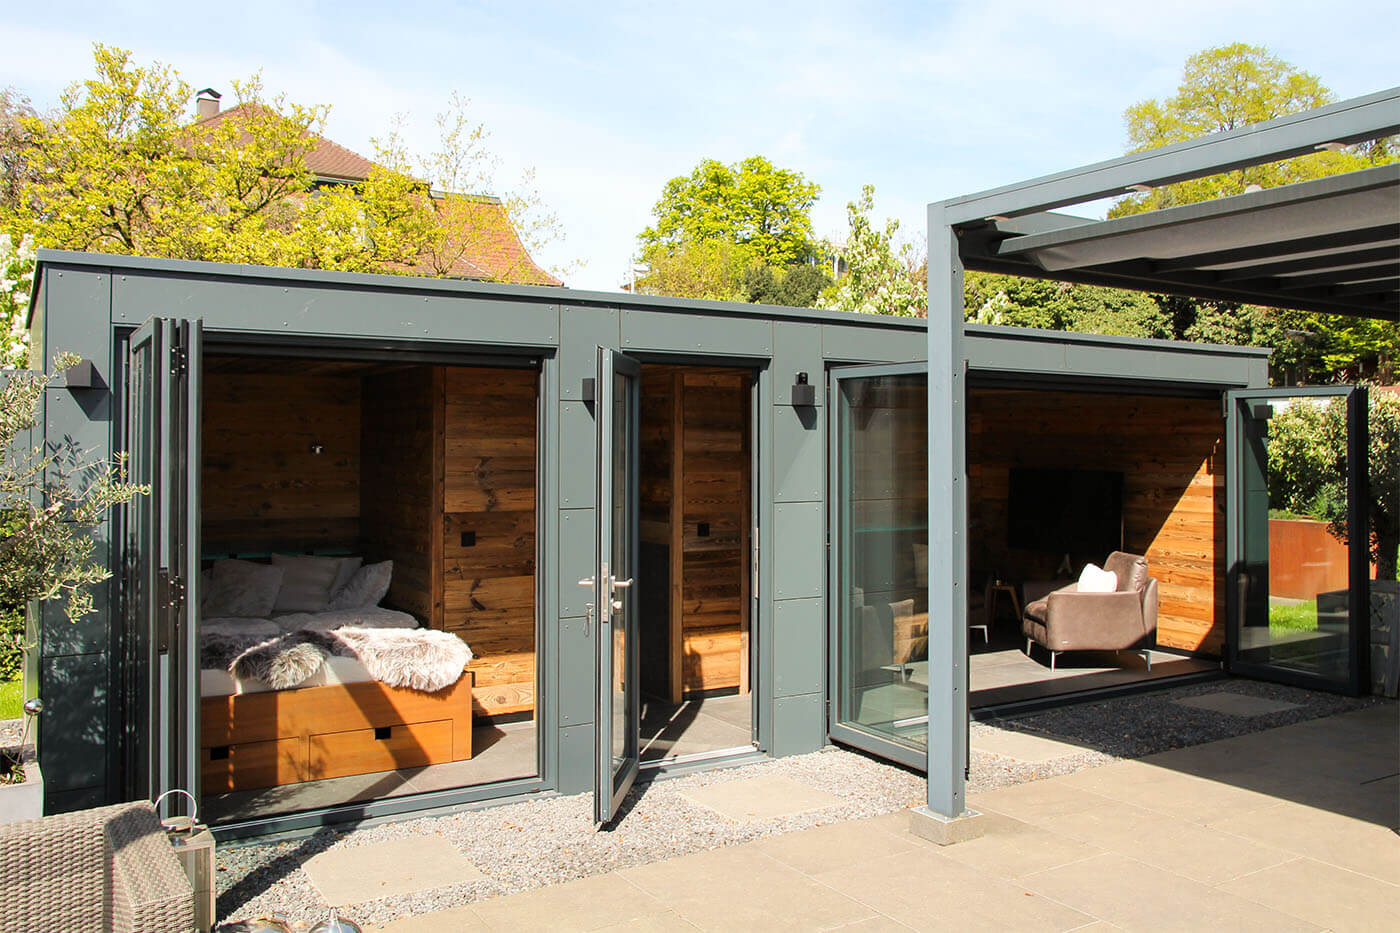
[{"x": 550, "y": 840}]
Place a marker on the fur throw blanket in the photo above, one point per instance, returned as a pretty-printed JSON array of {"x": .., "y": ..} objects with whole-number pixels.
[{"x": 422, "y": 659}]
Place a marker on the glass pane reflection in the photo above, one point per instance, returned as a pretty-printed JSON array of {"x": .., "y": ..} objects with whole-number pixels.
[{"x": 883, "y": 591}]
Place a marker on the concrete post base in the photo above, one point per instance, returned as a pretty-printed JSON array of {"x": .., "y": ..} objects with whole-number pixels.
[{"x": 945, "y": 830}]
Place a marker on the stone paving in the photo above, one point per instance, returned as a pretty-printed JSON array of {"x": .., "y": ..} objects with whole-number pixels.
[{"x": 1293, "y": 828}]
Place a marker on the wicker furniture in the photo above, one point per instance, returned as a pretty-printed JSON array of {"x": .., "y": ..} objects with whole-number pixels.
[{"x": 110, "y": 868}]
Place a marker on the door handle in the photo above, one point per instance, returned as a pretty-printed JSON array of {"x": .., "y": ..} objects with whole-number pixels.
[
  {"x": 622, "y": 584},
  {"x": 586, "y": 581}
]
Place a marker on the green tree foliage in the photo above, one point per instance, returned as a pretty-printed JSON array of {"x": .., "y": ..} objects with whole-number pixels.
[
  {"x": 1022, "y": 302},
  {"x": 881, "y": 276},
  {"x": 711, "y": 269},
  {"x": 752, "y": 204},
  {"x": 51, "y": 500},
  {"x": 1226, "y": 88},
  {"x": 16, "y": 278},
  {"x": 1222, "y": 89},
  {"x": 797, "y": 286},
  {"x": 1307, "y": 469}
]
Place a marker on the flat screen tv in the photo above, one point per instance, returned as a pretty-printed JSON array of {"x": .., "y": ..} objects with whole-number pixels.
[{"x": 1077, "y": 512}]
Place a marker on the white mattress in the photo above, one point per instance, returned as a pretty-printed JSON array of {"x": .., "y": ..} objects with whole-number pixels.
[{"x": 218, "y": 683}]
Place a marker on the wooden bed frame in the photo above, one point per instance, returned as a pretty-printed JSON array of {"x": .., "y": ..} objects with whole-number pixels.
[{"x": 254, "y": 740}]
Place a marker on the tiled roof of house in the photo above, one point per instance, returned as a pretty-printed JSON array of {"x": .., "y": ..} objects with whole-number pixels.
[{"x": 493, "y": 251}]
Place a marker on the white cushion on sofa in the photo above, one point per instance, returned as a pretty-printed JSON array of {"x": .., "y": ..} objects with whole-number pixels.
[
  {"x": 366, "y": 588},
  {"x": 307, "y": 583},
  {"x": 242, "y": 589},
  {"x": 1094, "y": 579}
]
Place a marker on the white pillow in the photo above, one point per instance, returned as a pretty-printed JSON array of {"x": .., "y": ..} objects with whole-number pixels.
[
  {"x": 366, "y": 588},
  {"x": 242, "y": 589},
  {"x": 348, "y": 566},
  {"x": 310, "y": 581},
  {"x": 1094, "y": 579}
]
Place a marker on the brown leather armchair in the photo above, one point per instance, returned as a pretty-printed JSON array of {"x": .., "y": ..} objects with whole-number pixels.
[{"x": 1126, "y": 620}]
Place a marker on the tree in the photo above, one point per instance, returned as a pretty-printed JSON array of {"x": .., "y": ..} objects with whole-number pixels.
[
  {"x": 1222, "y": 89},
  {"x": 879, "y": 277},
  {"x": 51, "y": 500},
  {"x": 16, "y": 279},
  {"x": 712, "y": 269},
  {"x": 1050, "y": 305},
  {"x": 121, "y": 167},
  {"x": 752, "y": 204}
]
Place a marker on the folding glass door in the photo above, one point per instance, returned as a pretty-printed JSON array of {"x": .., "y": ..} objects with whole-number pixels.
[
  {"x": 161, "y": 565},
  {"x": 1298, "y": 583},
  {"x": 879, "y": 645},
  {"x": 617, "y": 713}
]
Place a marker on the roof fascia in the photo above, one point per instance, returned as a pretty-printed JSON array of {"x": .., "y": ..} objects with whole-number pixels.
[{"x": 1350, "y": 121}]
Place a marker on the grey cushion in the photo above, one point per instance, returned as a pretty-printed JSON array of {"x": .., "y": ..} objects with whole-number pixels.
[
  {"x": 348, "y": 567},
  {"x": 1131, "y": 570},
  {"x": 307, "y": 582},
  {"x": 242, "y": 589},
  {"x": 366, "y": 588}
]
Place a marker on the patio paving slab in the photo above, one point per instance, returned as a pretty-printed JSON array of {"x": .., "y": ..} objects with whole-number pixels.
[
  {"x": 1023, "y": 746},
  {"x": 1235, "y": 704},
  {"x": 381, "y": 869},
  {"x": 761, "y": 798},
  {"x": 1329, "y": 896}
]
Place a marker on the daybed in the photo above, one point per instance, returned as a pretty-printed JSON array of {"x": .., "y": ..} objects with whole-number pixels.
[{"x": 318, "y": 681}]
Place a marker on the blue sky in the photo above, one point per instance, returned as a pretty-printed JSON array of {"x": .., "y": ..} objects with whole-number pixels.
[{"x": 607, "y": 102}]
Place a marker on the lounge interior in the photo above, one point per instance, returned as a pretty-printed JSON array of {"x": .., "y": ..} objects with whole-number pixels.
[
  {"x": 1057, "y": 478},
  {"x": 696, "y": 464},
  {"x": 431, "y": 467},
  {"x": 1061, "y": 478}
]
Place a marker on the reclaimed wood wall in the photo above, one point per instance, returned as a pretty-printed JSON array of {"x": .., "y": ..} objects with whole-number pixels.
[
  {"x": 264, "y": 488},
  {"x": 1171, "y": 453},
  {"x": 695, "y": 439},
  {"x": 400, "y": 489},
  {"x": 488, "y": 531}
]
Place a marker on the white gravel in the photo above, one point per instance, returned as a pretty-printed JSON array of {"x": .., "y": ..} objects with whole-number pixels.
[{"x": 550, "y": 840}]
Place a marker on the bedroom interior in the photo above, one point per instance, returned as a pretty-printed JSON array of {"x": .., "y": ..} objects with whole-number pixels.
[
  {"x": 696, "y": 464},
  {"x": 410, "y": 490},
  {"x": 1097, "y": 473}
]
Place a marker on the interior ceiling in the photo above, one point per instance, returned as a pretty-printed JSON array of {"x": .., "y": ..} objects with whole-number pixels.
[{"x": 1331, "y": 245}]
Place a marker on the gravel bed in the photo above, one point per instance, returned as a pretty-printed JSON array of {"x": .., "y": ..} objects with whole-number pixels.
[{"x": 547, "y": 841}]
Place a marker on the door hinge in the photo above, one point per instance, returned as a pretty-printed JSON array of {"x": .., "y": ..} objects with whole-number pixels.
[{"x": 179, "y": 359}]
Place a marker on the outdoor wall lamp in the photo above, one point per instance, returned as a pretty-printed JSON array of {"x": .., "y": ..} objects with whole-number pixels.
[{"x": 803, "y": 395}]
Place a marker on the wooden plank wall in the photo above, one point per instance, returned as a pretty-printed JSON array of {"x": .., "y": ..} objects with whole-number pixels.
[
  {"x": 489, "y": 479},
  {"x": 1171, "y": 452},
  {"x": 263, "y": 488},
  {"x": 714, "y": 568},
  {"x": 695, "y": 438},
  {"x": 400, "y": 497},
  {"x": 657, "y": 457}
]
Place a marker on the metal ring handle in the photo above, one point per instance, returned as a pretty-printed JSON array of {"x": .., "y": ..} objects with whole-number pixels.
[{"x": 194, "y": 804}]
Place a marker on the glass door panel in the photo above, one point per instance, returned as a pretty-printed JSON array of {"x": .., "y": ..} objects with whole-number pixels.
[
  {"x": 617, "y": 716},
  {"x": 879, "y": 588},
  {"x": 161, "y": 572},
  {"x": 1298, "y": 583}
]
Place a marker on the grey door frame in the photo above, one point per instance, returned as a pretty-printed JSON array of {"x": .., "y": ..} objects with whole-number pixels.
[
  {"x": 1239, "y": 459},
  {"x": 836, "y": 564}
]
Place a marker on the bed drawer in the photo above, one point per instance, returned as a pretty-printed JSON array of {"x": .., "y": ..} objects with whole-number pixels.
[
  {"x": 253, "y": 764},
  {"x": 365, "y": 751}
]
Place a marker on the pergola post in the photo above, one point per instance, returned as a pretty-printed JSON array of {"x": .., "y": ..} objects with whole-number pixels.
[{"x": 945, "y": 819}]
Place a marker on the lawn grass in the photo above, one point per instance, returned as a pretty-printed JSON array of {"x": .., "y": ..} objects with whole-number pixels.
[
  {"x": 11, "y": 699},
  {"x": 1299, "y": 617}
]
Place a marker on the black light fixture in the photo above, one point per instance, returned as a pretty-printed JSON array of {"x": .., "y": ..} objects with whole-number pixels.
[
  {"x": 803, "y": 395},
  {"x": 82, "y": 375}
]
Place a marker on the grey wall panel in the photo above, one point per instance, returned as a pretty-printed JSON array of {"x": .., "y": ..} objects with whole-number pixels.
[
  {"x": 576, "y": 759},
  {"x": 849, "y": 344},
  {"x": 581, "y": 331},
  {"x": 688, "y": 332},
  {"x": 73, "y": 727},
  {"x": 796, "y": 348},
  {"x": 577, "y": 471},
  {"x": 576, "y": 671},
  {"x": 985, "y": 352},
  {"x": 799, "y": 636},
  {"x": 320, "y": 309},
  {"x": 576, "y": 544},
  {"x": 1079, "y": 357},
  {"x": 799, "y": 724},
  {"x": 799, "y": 454},
  {"x": 799, "y": 550}
]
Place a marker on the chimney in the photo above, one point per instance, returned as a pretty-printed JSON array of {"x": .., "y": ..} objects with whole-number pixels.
[{"x": 207, "y": 101}]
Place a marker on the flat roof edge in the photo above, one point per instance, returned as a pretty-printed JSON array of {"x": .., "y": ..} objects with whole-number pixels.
[
  {"x": 116, "y": 263},
  {"x": 1007, "y": 332}
]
